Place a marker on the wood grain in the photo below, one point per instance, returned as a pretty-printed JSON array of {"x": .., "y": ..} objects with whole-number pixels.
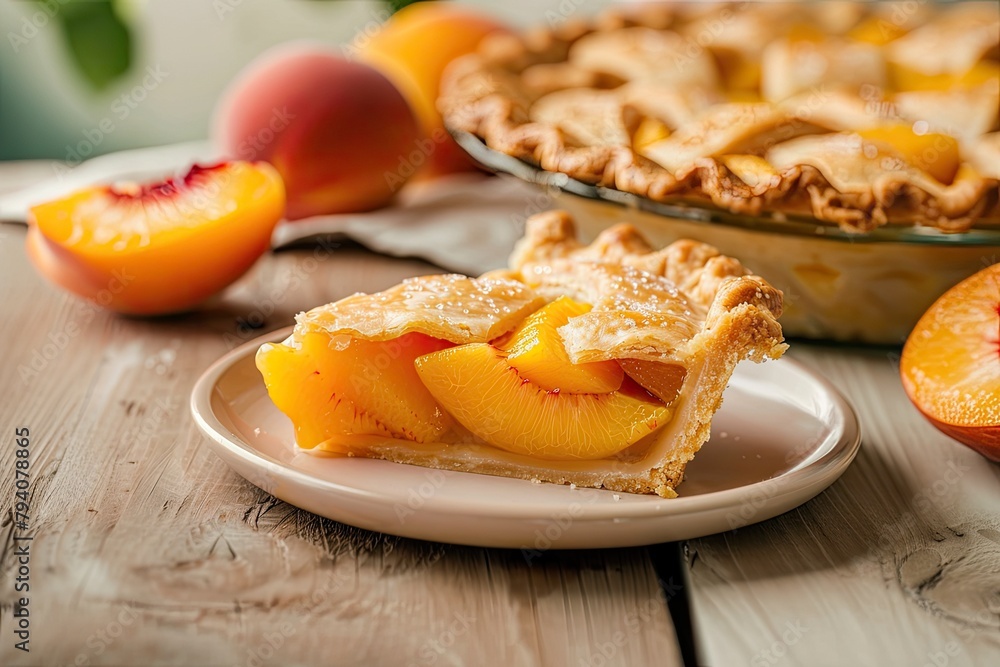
[
  {"x": 898, "y": 563},
  {"x": 149, "y": 550}
]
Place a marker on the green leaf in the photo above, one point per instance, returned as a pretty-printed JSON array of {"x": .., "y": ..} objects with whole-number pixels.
[
  {"x": 396, "y": 5},
  {"x": 98, "y": 40}
]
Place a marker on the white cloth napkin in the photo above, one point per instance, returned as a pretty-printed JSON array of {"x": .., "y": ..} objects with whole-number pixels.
[{"x": 466, "y": 223}]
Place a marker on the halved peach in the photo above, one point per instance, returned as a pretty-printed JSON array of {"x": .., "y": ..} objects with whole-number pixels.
[
  {"x": 951, "y": 363},
  {"x": 161, "y": 247},
  {"x": 336, "y": 387},
  {"x": 535, "y": 349},
  {"x": 488, "y": 396}
]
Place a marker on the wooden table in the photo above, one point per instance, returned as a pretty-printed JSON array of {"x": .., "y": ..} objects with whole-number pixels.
[{"x": 147, "y": 549}]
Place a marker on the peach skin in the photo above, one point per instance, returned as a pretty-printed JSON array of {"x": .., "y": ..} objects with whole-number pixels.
[
  {"x": 337, "y": 131},
  {"x": 413, "y": 49},
  {"x": 951, "y": 363}
]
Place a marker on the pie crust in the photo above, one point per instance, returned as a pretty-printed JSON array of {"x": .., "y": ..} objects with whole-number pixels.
[
  {"x": 731, "y": 81},
  {"x": 685, "y": 304}
]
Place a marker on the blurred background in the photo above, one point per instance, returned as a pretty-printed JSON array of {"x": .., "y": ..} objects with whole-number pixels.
[{"x": 132, "y": 73}]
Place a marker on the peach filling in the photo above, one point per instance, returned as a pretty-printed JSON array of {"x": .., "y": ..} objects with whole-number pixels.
[
  {"x": 649, "y": 131},
  {"x": 521, "y": 393},
  {"x": 536, "y": 351},
  {"x": 344, "y": 386},
  {"x": 936, "y": 154},
  {"x": 905, "y": 78}
]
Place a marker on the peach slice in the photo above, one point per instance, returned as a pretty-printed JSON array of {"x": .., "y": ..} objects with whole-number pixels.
[
  {"x": 905, "y": 78},
  {"x": 950, "y": 365},
  {"x": 937, "y": 154},
  {"x": 877, "y": 30},
  {"x": 663, "y": 380},
  {"x": 162, "y": 247},
  {"x": 649, "y": 131},
  {"x": 751, "y": 169},
  {"x": 331, "y": 388},
  {"x": 535, "y": 349},
  {"x": 488, "y": 396}
]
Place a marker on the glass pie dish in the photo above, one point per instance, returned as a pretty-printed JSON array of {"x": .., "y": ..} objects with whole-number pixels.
[
  {"x": 838, "y": 285},
  {"x": 846, "y": 151}
]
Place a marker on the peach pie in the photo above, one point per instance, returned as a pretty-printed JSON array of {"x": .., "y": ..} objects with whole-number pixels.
[
  {"x": 598, "y": 365},
  {"x": 859, "y": 114}
]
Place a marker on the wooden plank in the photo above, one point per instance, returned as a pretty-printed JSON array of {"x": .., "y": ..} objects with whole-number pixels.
[
  {"x": 149, "y": 550},
  {"x": 898, "y": 563}
]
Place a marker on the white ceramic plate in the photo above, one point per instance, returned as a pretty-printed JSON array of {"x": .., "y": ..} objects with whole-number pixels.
[{"x": 782, "y": 436}]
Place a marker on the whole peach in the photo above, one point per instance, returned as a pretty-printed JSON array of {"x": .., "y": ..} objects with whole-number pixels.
[
  {"x": 413, "y": 48},
  {"x": 337, "y": 131}
]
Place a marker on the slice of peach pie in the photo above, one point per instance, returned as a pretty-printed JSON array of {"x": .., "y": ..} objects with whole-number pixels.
[{"x": 597, "y": 365}]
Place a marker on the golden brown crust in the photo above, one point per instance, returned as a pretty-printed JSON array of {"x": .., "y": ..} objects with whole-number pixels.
[
  {"x": 556, "y": 104},
  {"x": 451, "y": 307},
  {"x": 686, "y": 304}
]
